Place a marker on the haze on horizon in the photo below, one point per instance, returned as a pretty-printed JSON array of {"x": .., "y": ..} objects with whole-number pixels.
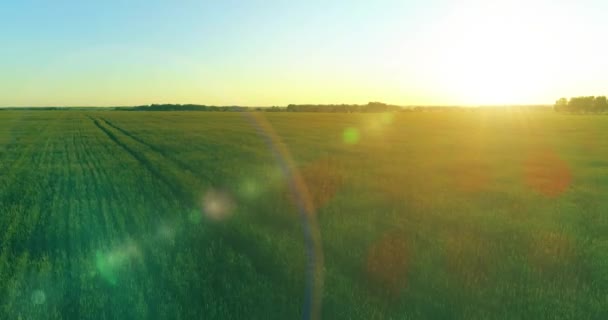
[{"x": 255, "y": 53}]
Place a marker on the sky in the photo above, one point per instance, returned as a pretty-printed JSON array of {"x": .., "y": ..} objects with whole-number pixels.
[{"x": 273, "y": 52}]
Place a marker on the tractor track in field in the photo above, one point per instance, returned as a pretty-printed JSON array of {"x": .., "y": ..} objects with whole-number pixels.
[
  {"x": 174, "y": 187},
  {"x": 86, "y": 161},
  {"x": 152, "y": 265},
  {"x": 182, "y": 165},
  {"x": 100, "y": 176},
  {"x": 94, "y": 178}
]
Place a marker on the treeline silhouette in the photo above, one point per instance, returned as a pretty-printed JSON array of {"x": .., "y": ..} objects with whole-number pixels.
[
  {"x": 183, "y": 107},
  {"x": 370, "y": 107},
  {"x": 340, "y": 108},
  {"x": 586, "y": 104}
]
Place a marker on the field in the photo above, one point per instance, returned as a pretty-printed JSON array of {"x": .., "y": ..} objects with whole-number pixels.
[{"x": 218, "y": 215}]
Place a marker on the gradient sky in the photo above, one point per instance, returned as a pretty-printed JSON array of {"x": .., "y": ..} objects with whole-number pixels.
[{"x": 134, "y": 52}]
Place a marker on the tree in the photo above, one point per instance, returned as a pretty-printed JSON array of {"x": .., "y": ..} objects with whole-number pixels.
[
  {"x": 581, "y": 104},
  {"x": 600, "y": 104},
  {"x": 561, "y": 104}
]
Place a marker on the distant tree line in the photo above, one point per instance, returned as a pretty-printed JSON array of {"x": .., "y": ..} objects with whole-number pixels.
[
  {"x": 370, "y": 107},
  {"x": 183, "y": 107},
  {"x": 587, "y": 104},
  {"x": 575, "y": 104},
  {"x": 34, "y": 108}
]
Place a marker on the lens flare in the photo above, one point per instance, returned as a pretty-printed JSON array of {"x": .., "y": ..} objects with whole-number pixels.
[
  {"x": 388, "y": 261},
  {"x": 249, "y": 189},
  {"x": 351, "y": 135},
  {"x": 217, "y": 205},
  {"x": 547, "y": 173},
  {"x": 303, "y": 200},
  {"x": 111, "y": 264},
  {"x": 323, "y": 179},
  {"x": 166, "y": 232},
  {"x": 38, "y": 297},
  {"x": 195, "y": 217}
]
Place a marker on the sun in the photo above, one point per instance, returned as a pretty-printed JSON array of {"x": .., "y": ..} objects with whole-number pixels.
[
  {"x": 494, "y": 79},
  {"x": 483, "y": 57}
]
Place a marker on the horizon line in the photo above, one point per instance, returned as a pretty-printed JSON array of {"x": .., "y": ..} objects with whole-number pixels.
[{"x": 285, "y": 106}]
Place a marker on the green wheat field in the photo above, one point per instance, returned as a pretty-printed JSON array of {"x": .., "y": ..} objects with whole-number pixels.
[{"x": 189, "y": 215}]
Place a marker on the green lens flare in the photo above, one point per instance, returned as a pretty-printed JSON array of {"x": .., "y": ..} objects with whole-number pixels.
[
  {"x": 351, "y": 135},
  {"x": 195, "y": 217},
  {"x": 38, "y": 297},
  {"x": 107, "y": 265}
]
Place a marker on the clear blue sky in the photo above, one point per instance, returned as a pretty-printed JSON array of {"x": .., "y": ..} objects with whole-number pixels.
[{"x": 278, "y": 52}]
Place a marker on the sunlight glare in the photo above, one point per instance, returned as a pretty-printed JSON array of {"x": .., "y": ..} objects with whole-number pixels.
[{"x": 503, "y": 54}]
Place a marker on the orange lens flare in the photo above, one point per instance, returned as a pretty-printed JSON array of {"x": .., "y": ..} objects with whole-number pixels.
[
  {"x": 387, "y": 264},
  {"x": 547, "y": 173}
]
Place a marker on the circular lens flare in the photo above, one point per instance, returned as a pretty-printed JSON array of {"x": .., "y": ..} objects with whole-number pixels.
[
  {"x": 351, "y": 135},
  {"x": 217, "y": 205},
  {"x": 38, "y": 297}
]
